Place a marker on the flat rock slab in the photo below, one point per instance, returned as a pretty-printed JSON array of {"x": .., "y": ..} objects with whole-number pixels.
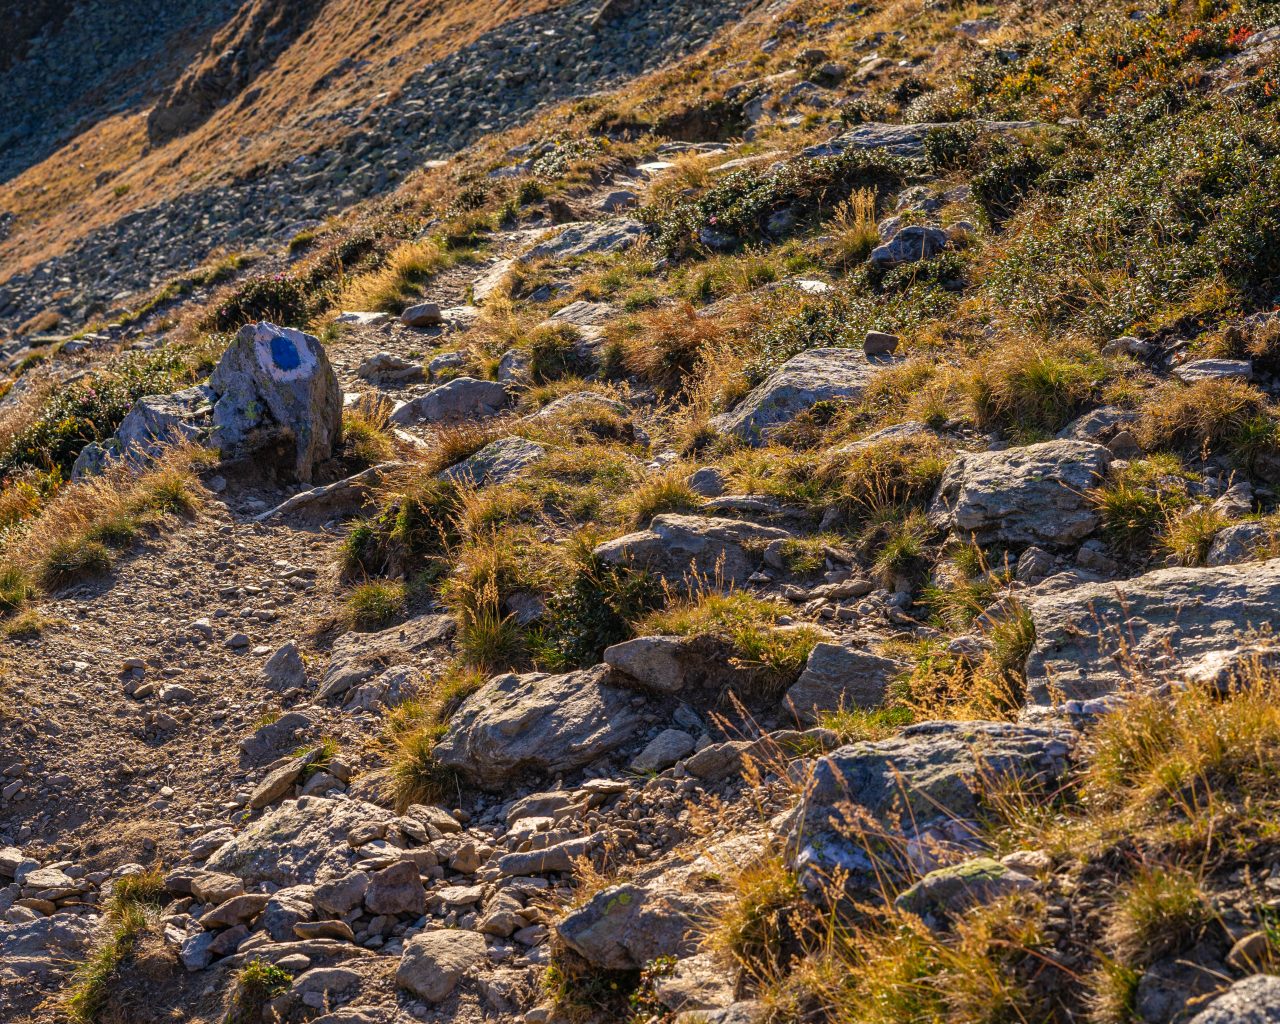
[
  {"x": 515, "y": 725},
  {"x": 1031, "y": 495},
  {"x": 1097, "y": 637},
  {"x": 819, "y": 375},
  {"x": 1253, "y": 1000}
]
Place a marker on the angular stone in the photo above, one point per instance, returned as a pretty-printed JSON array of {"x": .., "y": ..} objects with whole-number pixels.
[
  {"x": 656, "y": 662},
  {"x": 535, "y": 723},
  {"x": 279, "y": 781},
  {"x": 1032, "y": 495},
  {"x": 1096, "y": 638},
  {"x": 300, "y": 842},
  {"x": 357, "y": 657},
  {"x": 215, "y": 886},
  {"x": 839, "y": 676},
  {"x": 497, "y": 462},
  {"x": 342, "y": 894},
  {"x": 947, "y": 892},
  {"x": 593, "y": 237},
  {"x": 463, "y": 398},
  {"x": 396, "y": 890},
  {"x": 389, "y": 368},
  {"x": 913, "y": 243},
  {"x": 1214, "y": 369},
  {"x": 664, "y": 750},
  {"x": 679, "y": 547},
  {"x": 804, "y": 380},
  {"x": 284, "y": 670},
  {"x": 244, "y": 907},
  {"x": 435, "y": 961},
  {"x": 931, "y": 775},
  {"x": 625, "y": 926}
]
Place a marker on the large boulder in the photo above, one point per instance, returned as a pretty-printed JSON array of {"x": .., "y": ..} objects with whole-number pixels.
[
  {"x": 276, "y": 383},
  {"x": 1097, "y": 637},
  {"x": 1032, "y": 495},
  {"x": 927, "y": 783},
  {"x": 303, "y": 842},
  {"x": 677, "y": 546},
  {"x": 819, "y": 375},
  {"x": 516, "y": 725},
  {"x": 463, "y": 398}
]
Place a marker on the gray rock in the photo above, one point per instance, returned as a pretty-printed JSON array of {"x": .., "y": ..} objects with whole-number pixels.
[
  {"x": 396, "y": 890},
  {"x": 596, "y": 237},
  {"x": 1240, "y": 542},
  {"x": 839, "y": 676},
  {"x": 35, "y": 951},
  {"x": 581, "y": 402},
  {"x": 435, "y": 961},
  {"x": 913, "y": 243},
  {"x": 941, "y": 895},
  {"x": 483, "y": 287},
  {"x": 664, "y": 750},
  {"x": 284, "y": 670},
  {"x": 424, "y": 314},
  {"x": 286, "y": 909},
  {"x": 659, "y": 663},
  {"x": 904, "y": 140},
  {"x": 280, "y": 780},
  {"x": 215, "y": 886},
  {"x": 463, "y": 398},
  {"x": 560, "y": 857},
  {"x": 357, "y": 657},
  {"x": 157, "y": 420},
  {"x": 277, "y": 736},
  {"x": 878, "y": 343},
  {"x": 929, "y": 778},
  {"x": 1252, "y": 1000},
  {"x": 1032, "y": 495},
  {"x": 276, "y": 383},
  {"x": 497, "y": 462},
  {"x": 301, "y": 842},
  {"x": 245, "y": 907},
  {"x": 387, "y": 367},
  {"x": 677, "y": 546},
  {"x": 625, "y": 926},
  {"x": 535, "y": 723},
  {"x": 818, "y": 375},
  {"x": 1095, "y": 638},
  {"x": 1214, "y": 369},
  {"x": 324, "y": 988},
  {"x": 707, "y": 482},
  {"x": 196, "y": 951}
]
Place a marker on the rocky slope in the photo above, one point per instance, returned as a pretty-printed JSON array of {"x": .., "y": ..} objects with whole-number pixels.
[{"x": 790, "y": 537}]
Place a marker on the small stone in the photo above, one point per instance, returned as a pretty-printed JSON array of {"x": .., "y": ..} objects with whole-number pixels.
[{"x": 425, "y": 314}]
